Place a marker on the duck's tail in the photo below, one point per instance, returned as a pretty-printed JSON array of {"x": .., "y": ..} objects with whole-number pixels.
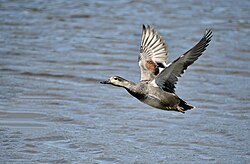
[{"x": 183, "y": 106}]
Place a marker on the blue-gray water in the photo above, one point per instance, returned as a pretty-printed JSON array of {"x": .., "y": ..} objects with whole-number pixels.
[{"x": 53, "y": 109}]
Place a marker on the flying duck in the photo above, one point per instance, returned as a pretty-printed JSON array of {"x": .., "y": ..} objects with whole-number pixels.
[{"x": 158, "y": 78}]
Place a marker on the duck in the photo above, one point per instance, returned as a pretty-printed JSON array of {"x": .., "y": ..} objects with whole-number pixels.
[{"x": 157, "y": 84}]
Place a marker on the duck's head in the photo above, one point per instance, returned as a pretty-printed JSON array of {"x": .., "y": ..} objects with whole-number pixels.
[{"x": 117, "y": 81}]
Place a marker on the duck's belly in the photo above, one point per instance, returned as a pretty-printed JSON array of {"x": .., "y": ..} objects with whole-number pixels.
[{"x": 154, "y": 102}]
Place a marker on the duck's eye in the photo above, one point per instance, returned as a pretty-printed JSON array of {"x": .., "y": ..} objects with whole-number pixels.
[{"x": 115, "y": 78}]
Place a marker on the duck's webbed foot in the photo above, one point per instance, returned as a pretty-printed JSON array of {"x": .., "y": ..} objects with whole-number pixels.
[
  {"x": 180, "y": 109},
  {"x": 176, "y": 108}
]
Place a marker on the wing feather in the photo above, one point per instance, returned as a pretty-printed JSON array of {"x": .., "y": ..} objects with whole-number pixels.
[
  {"x": 153, "y": 52},
  {"x": 169, "y": 76}
]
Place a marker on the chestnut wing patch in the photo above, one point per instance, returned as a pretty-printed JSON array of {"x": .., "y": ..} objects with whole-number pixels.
[{"x": 151, "y": 66}]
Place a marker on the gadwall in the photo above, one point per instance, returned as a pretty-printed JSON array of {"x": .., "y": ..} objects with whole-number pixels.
[{"x": 157, "y": 85}]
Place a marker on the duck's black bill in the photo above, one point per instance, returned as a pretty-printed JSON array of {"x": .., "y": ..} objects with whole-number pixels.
[{"x": 105, "y": 82}]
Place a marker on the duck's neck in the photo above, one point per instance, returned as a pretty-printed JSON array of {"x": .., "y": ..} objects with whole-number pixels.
[{"x": 130, "y": 86}]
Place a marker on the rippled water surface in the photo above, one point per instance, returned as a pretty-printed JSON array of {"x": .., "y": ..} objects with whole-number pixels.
[{"x": 53, "y": 109}]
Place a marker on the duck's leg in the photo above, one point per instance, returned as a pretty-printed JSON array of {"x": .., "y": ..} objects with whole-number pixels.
[
  {"x": 180, "y": 109},
  {"x": 176, "y": 108}
]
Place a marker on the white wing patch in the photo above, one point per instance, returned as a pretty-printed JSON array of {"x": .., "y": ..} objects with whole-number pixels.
[{"x": 153, "y": 83}]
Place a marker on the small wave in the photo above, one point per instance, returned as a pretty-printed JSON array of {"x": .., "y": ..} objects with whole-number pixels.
[{"x": 41, "y": 74}]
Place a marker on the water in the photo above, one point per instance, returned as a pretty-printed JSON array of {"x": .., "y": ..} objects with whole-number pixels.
[{"x": 53, "y": 109}]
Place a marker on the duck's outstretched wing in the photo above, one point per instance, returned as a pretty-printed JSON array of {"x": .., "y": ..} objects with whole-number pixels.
[
  {"x": 153, "y": 53},
  {"x": 169, "y": 76}
]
